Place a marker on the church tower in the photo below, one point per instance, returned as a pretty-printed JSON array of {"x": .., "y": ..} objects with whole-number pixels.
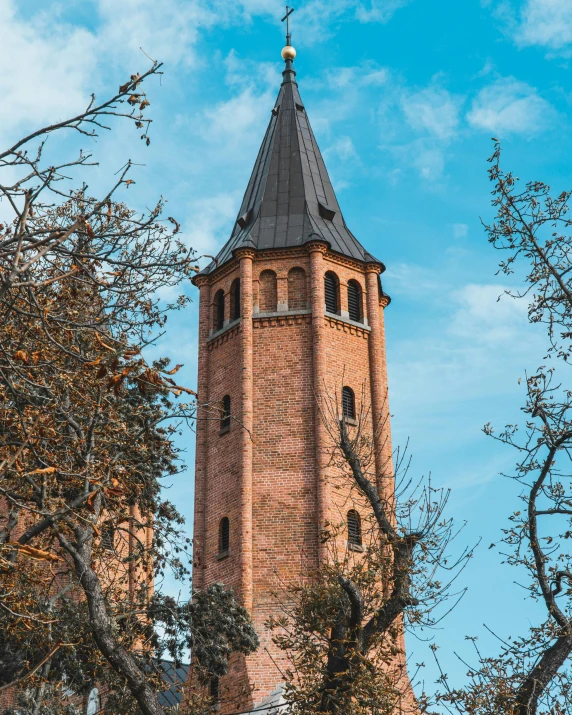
[{"x": 291, "y": 312}]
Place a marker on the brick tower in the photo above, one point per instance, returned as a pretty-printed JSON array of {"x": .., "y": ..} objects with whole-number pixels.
[{"x": 291, "y": 311}]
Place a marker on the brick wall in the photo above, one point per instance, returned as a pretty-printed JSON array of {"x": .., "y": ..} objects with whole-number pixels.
[
  {"x": 294, "y": 360},
  {"x": 297, "y": 291}
]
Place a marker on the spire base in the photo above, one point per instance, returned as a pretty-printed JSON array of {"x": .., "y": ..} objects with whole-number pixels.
[{"x": 289, "y": 73}]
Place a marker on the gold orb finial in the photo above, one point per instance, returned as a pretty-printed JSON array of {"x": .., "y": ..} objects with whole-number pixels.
[{"x": 288, "y": 52}]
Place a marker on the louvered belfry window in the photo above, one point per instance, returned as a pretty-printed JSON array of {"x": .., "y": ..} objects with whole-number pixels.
[
  {"x": 354, "y": 528},
  {"x": 219, "y": 310},
  {"x": 225, "y": 413},
  {"x": 235, "y": 299},
  {"x": 331, "y": 291},
  {"x": 108, "y": 537},
  {"x": 348, "y": 403},
  {"x": 354, "y": 301},
  {"x": 224, "y": 535}
]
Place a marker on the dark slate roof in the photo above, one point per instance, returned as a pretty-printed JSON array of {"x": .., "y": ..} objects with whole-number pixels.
[
  {"x": 289, "y": 199},
  {"x": 174, "y": 676}
]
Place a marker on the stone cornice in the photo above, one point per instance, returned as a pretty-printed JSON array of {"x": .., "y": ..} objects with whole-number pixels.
[
  {"x": 349, "y": 262},
  {"x": 373, "y": 268},
  {"x": 224, "y": 335},
  {"x": 200, "y": 280},
  {"x": 318, "y": 245},
  {"x": 279, "y": 253},
  {"x": 272, "y": 321},
  {"x": 244, "y": 252},
  {"x": 347, "y": 326}
]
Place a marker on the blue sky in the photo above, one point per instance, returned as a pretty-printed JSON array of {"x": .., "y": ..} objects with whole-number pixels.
[{"x": 404, "y": 97}]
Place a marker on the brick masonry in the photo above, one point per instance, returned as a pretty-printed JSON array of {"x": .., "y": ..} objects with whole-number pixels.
[{"x": 269, "y": 474}]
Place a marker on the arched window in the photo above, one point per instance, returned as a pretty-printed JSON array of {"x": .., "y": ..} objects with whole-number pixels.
[
  {"x": 224, "y": 535},
  {"x": 218, "y": 323},
  {"x": 354, "y": 528},
  {"x": 297, "y": 292},
  {"x": 268, "y": 292},
  {"x": 214, "y": 689},
  {"x": 225, "y": 414},
  {"x": 108, "y": 537},
  {"x": 354, "y": 301},
  {"x": 93, "y": 702},
  {"x": 235, "y": 299},
  {"x": 348, "y": 403},
  {"x": 331, "y": 291}
]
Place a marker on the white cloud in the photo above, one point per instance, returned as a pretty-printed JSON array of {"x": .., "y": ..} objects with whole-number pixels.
[
  {"x": 239, "y": 119},
  {"x": 319, "y": 18},
  {"x": 430, "y": 163},
  {"x": 366, "y": 75},
  {"x": 210, "y": 222},
  {"x": 411, "y": 280},
  {"x": 456, "y": 364},
  {"x": 241, "y": 72},
  {"x": 379, "y": 10},
  {"x": 460, "y": 230},
  {"x": 374, "y": 77},
  {"x": 547, "y": 23},
  {"x": 417, "y": 125},
  {"x": 510, "y": 107},
  {"x": 232, "y": 129},
  {"x": 46, "y": 69},
  {"x": 484, "y": 314},
  {"x": 167, "y": 31},
  {"x": 434, "y": 110},
  {"x": 343, "y": 148}
]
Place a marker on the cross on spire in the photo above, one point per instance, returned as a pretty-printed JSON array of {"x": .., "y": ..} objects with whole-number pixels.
[{"x": 289, "y": 11}]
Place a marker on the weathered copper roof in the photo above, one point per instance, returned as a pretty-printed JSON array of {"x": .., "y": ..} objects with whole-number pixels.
[{"x": 289, "y": 199}]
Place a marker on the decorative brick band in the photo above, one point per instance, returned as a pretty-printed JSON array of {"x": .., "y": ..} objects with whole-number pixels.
[
  {"x": 224, "y": 337},
  {"x": 280, "y": 321},
  {"x": 350, "y": 328}
]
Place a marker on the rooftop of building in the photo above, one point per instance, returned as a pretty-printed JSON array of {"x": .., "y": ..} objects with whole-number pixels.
[{"x": 290, "y": 200}]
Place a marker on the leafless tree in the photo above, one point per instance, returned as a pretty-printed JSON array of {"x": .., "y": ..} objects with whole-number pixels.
[
  {"x": 87, "y": 427},
  {"x": 531, "y": 675},
  {"x": 343, "y": 627}
]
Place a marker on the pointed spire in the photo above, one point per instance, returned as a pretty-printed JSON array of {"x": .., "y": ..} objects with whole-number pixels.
[{"x": 289, "y": 199}]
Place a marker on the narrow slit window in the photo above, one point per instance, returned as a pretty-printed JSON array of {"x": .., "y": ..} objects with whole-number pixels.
[
  {"x": 355, "y": 301},
  {"x": 214, "y": 689},
  {"x": 235, "y": 299},
  {"x": 93, "y": 702},
  {"x": 348, "y": 403},
  {"x": 225, "y": 414},
  {"x": 354, "y": 528},
  {"x": 224, "y": 535},
  {"x": 108, "y": 537},
  {"x": 219, "y": 310},
  {"x": 331, "y": 291}
]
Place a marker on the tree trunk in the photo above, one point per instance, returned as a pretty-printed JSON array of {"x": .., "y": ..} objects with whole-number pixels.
[
  {"x": 121, "y": 661},
  {"x": 527, "y": 697}
]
